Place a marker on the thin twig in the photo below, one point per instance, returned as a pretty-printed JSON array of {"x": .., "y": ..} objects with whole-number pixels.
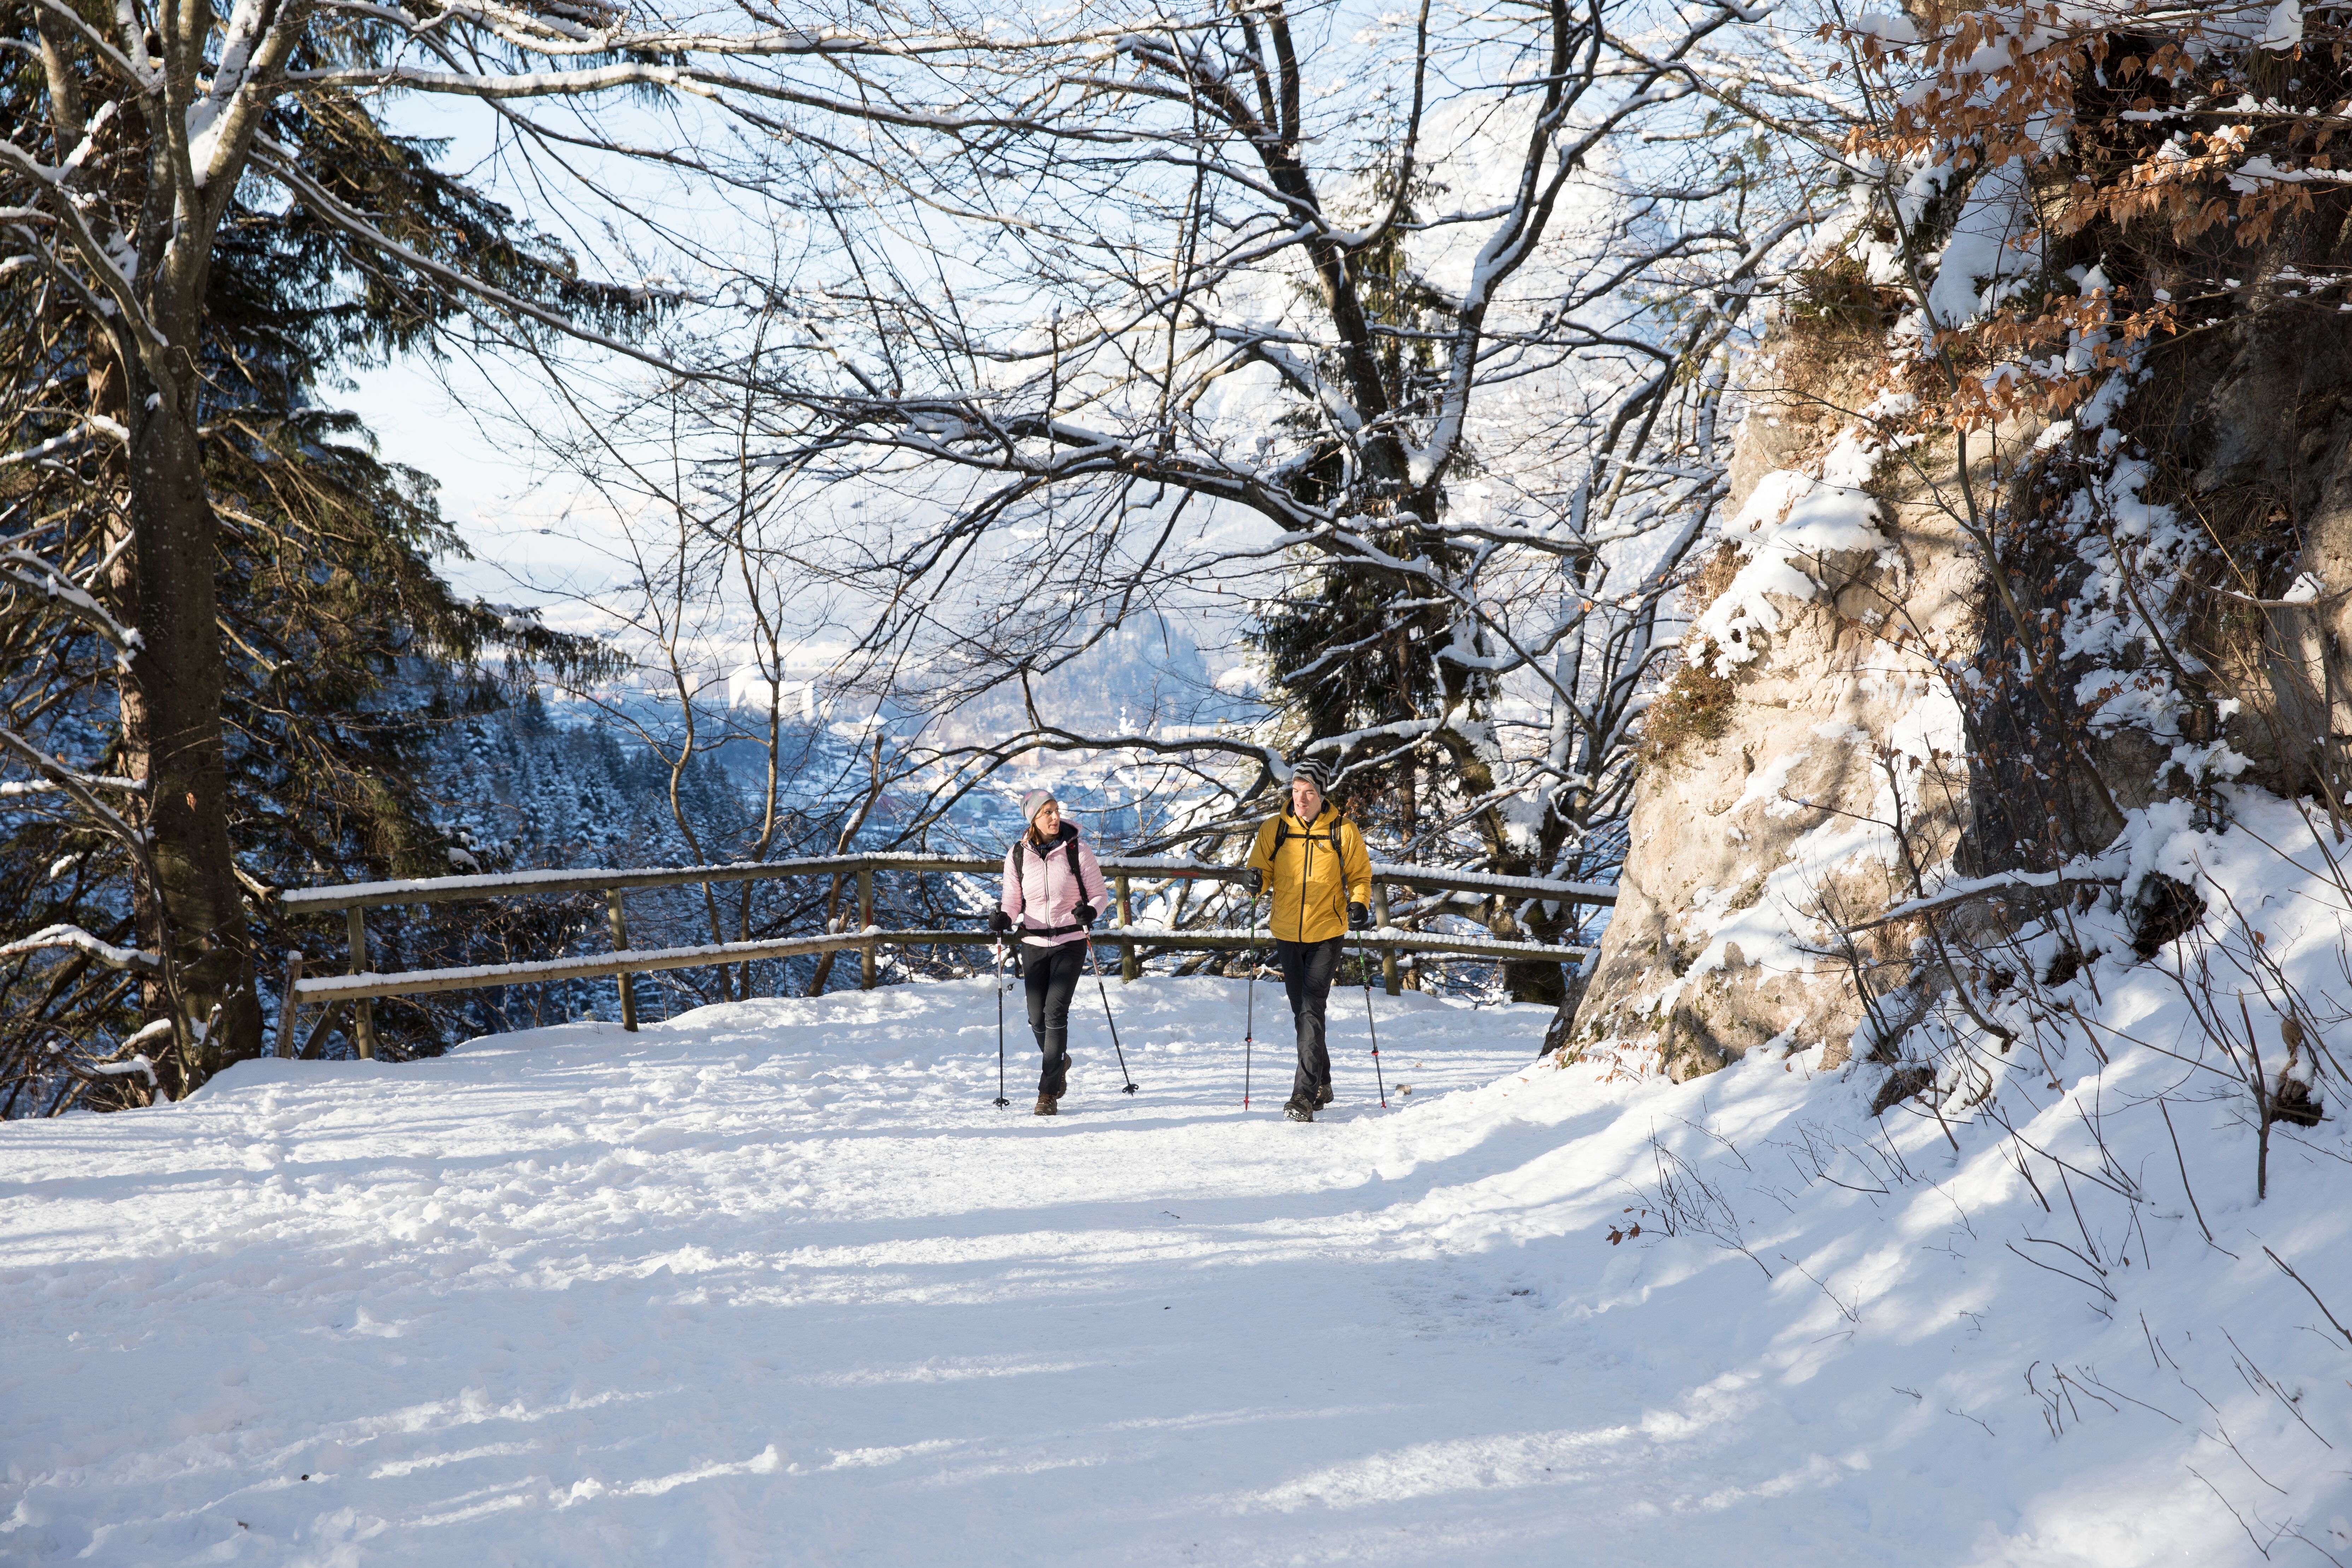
[
  {"x": 2308, "y": 1290},
  {"x": 2185, "y": 1188}
]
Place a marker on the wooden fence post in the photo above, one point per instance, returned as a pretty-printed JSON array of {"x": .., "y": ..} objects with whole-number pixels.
[
  {"x": 1130, "y": 965},
  {"x": 620, "y": 925},
  {"x": 864, "y": 921},
  {"x": 363, "y": 1012},
  {"x": 1387, "y": 957},
  {"x": 286, "y": 1008}
]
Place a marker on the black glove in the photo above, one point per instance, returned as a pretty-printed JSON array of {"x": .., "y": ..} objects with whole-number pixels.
[
  {"x": 1083, "y": 914},
  {"x": 1359, "y": 918},
  {"x": 1254, "y": 880},
  {"x": 999, "y": 921}
]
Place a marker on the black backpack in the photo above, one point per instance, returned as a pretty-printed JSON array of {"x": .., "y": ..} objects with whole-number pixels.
[{"x": 1021, "y": 874}]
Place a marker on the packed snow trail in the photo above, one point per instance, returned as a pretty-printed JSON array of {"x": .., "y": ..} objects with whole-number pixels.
[{"x": 774, "y": 1283}]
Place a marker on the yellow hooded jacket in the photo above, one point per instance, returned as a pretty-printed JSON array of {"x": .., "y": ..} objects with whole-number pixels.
[{"x": 1321, "y": 868}]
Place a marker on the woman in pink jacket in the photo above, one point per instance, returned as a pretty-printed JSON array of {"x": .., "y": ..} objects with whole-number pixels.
[{"x": 1053, "y": 888}]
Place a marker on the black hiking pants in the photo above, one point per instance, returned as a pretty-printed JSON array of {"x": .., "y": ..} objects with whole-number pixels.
[
  {"x": 1051, "y": 976},
  {"x": 1307, "y": 971}
]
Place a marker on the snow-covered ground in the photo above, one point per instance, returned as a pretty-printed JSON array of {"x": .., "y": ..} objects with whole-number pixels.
[{"x": 775, "y": 1283}]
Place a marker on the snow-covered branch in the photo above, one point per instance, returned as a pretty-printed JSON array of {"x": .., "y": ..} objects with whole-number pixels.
[{"x": 81, "y": 940}]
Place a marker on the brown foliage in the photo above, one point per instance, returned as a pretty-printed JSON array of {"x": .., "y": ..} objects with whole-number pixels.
[
  {"x": 1695, "y": 706},
  {"x": 2142, "y": 128},
  {"x": 1713, "y": 576}
]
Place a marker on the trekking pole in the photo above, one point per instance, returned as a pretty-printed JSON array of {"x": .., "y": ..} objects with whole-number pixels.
[
  {"x": 1001, "y": 1100},
  {"x": 1249, "y": 1017},
  {"x": 1107, "y": 1017},
  {"x": 1364, "y": 967}
]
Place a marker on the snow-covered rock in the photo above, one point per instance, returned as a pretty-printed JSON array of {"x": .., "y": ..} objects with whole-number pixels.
[{"x": 1846, "y": 575}]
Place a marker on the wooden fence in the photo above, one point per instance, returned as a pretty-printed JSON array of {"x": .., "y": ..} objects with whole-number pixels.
[{"x": 361, "y": 986}]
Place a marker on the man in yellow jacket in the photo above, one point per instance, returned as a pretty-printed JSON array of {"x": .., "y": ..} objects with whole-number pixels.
[{"x": 1322, "y": 881}]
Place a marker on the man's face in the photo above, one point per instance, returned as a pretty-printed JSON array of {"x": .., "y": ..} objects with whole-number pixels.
[{"x": 1305, "y": 800}]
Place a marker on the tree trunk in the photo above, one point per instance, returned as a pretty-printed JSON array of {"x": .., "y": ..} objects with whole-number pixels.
[{"x": 172, "y": 735}]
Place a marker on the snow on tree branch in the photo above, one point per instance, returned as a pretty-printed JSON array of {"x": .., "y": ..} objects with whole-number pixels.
[{"x": 81, "y": 940}]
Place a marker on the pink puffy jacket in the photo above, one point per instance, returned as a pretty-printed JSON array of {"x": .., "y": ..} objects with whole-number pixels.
[{"x": 1040, "y": 894}]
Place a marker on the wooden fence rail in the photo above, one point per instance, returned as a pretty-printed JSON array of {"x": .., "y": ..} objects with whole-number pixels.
[
  {"x": 362, "y": 986},
  {"x": 639, "y": 961},
  {"x": 517, "y": 884}
]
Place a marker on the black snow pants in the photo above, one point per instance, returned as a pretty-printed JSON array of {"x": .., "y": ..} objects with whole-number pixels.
[
  {"x": 1307, "y": 971},
  {"x": 1051, "y": 976}
]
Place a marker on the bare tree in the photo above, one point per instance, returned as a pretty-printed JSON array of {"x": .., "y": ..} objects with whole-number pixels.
[
  {"x": 137, "y": 129},
  {"x": 1407, "y": 348}
]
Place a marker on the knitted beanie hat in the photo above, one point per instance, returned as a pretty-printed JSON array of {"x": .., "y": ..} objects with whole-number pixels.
[
  {"x": 1315, "y": 771},
  {"x": 1036, "y": 800}
]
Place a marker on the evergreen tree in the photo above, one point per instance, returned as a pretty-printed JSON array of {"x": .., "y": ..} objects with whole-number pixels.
[
  {"x": 138, "y": 151},
  {"x": 1351, "y": 647},
  {"x": 343, "y": 653},
  {"x": 1356, "y": 651}
]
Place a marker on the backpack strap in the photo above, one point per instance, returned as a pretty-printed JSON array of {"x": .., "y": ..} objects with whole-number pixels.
[
  {"x": 1078, "y": 877},
  {"x": 1028, "y": 929},
  {"x": 1282, "y": 834}
]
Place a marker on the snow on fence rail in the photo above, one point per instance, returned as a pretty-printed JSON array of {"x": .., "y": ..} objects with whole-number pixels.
[
  {"x": 597, "y": 966},
  {"x": 511, "y": 884},
  {"x": 361, "y": 986}
]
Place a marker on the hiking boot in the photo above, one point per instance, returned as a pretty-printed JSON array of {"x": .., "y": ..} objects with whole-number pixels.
[
  {"x": 1046, "y": 1107},
  {"x": 1299, "y": 1110},
  {"x": 1322, "y": 1097}
]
